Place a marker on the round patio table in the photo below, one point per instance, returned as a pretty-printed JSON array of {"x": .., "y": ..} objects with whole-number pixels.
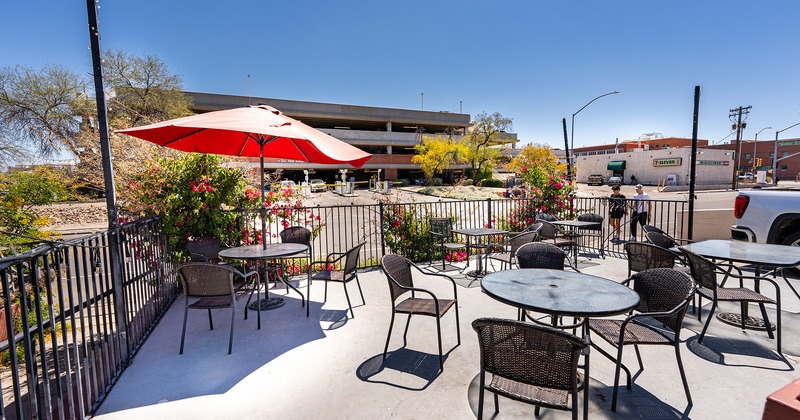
[
  {"x": 266, "y": 252},
  {"x": 558, "y": 292}
]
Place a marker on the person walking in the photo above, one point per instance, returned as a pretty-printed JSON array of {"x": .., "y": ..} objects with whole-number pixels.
[
  {"x": 617, "y": 207},
  {"x": 642, "y": 207}
]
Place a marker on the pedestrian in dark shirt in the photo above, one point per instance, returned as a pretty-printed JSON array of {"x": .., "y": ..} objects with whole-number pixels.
[{"x": 616, "y": 209}]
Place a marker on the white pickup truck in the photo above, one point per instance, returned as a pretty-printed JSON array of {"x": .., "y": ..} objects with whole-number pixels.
[{"x": 767, "y": 216}]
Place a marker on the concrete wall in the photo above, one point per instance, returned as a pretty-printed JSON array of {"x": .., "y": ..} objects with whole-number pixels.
[{"x": 714, "y": 167}]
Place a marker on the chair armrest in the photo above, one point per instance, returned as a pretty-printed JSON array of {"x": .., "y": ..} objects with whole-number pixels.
[
  {"x": 452, "y": 281},
  {"x": 197, "y": 256},
  {"x": 328, "y": 259}
]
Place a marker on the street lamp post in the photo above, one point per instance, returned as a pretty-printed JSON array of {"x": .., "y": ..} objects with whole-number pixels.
[
  {"x": 775, "y": 155},
  {"x": 755, "y": 146},
  {"x": 572, "y": 128}
]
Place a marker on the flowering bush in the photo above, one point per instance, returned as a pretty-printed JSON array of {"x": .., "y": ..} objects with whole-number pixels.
[
  {"x": 552, "y": 198},
  {"x": 406, "y": 234},
  {"x": 456, "y": 256}
]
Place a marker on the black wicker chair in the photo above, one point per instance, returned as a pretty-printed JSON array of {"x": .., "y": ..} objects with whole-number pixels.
[
  {"x": 508, "y": 250},
  {"x": 651, "y": 228},
  {"x": 214, "y": 287},
  {"x": 298, "y": 235},
  {"x": 347, "y": 271},
  {"x": 204, "y": 249},
  {"x": 545, "y": 217},
  {"x": 705, "y": 274},
  {"x": 593, "y": 233},
  {"x": 644, "y": 256},
  {"x": 552, "y": 234},
  {"x": 398, "y": 275},
  {"x": 531, "y": 363},
  {"x": 665, "y": 294},
  {"x": 442, "y": 233}
]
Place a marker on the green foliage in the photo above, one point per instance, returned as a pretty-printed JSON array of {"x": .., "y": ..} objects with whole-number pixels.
[
  {"x": 193, "y": 193},
  {"x": 495, "y": 183},
  {"x": 537, "y": 165},
  {"x": 554, "y": 198},
  {"x": 406, "y": 233},
  {"x": 483, "y": 141},
  {"x": 436, "y": 182},
  {"x": 437, "y": 154},
  {"x": 23, "y": 190}
]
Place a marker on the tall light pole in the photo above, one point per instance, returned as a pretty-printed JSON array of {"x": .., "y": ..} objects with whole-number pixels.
[
  {"x": 775, "y": 155},
  {"x": 572, "y": 128},
  {"x": 755, "y": 145}
]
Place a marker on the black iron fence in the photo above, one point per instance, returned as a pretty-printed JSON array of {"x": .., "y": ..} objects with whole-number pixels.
[
  {"x": 403, "y": 227},
  {"x": 64, "y": 338}
]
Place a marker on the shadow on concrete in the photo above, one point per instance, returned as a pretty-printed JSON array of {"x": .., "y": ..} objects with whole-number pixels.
[
  {"x": 636, "y": 403},
  {"x": 734, "y": 352},
  {"x": 402, "y": 368}
]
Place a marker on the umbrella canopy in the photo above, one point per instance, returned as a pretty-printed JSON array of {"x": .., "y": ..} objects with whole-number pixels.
[{"x": 243, "y": 132}]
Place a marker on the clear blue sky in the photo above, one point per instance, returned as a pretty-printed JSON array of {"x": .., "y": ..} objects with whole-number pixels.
[{"x": 536, "y": 61}]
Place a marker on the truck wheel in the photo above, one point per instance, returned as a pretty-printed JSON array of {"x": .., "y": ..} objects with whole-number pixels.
[{"x": 793, "y": 240}]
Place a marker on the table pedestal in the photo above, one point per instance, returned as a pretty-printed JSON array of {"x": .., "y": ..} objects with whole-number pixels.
[
  {"x": 750, "y": 322},
  {"x": 266, "y": 304}
]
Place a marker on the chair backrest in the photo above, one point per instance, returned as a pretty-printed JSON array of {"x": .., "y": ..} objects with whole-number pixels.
[
  {"x": 203, "y": 248},
  {"x": 529, "y": 353},
  {"x": 651, "y": 228},
  {"x": 591, "y": 217},
  {"x": 203, "y": 279},
  {"x": 548, "y": 230},
  {"x": 296, "y": 235},
  {"x": 546, "y": 217},
  {"x": 643, "y": 256},
  {"x": 351, "y": 259},
  {"x": 541, "y": 255},
  {"x": 534, "y": 228},
  {"x": 704, "y": 271},
  {"x": 521, "y": 239},
  {"x": 398, "y": 273},
  {"x": 661, "y": 239},
  {"x": 662, "y": 290},
  {"x": 442, "y": 227}
]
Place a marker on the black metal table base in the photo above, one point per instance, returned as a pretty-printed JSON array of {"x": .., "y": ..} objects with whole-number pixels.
[
  {"x": 266, "y": 304},
  {"x": 475, "y": 274},
  {"x": 750, "y": 322}
]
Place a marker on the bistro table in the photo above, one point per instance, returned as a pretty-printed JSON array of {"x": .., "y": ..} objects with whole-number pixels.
[
  {"x": 268, "y": 252},
  {"x": 477, "y": 233},
  {"x": 558, "y": 292},
  {"x": 778, "y": 257},
  {"x": 574, "y": 226}
]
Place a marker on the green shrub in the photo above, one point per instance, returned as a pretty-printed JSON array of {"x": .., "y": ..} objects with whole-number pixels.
[
  {"x": 491, "y": 182},
  {"x": 436, "y": 182},
  {"x": 406, "y": 234}
]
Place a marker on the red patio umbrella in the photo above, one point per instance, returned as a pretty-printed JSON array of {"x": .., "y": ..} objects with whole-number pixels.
[{"x": 251, "y": 131}]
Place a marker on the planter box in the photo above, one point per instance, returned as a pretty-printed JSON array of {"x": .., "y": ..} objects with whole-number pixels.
[{"x": 783, "y": 403}]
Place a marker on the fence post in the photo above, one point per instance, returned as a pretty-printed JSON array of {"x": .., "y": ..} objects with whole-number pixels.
[
  {"x": 383, "y": 230},
  {"x": 489, "y": 204}
]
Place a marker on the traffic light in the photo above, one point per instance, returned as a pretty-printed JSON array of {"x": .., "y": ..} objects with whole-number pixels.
[{"x": 758, "y": 162}]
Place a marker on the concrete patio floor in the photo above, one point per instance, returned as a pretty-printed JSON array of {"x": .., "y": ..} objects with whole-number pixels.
[{"x": 330, "y": 365}]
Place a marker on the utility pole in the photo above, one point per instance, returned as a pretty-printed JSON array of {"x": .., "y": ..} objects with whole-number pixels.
[{"x": 740, "y": 113}]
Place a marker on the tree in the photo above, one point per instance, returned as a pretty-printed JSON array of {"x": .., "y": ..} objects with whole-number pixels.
[
  {"x": 536, "y": 165},
  {"x": 50, "y": 110},
  {"x": 436, "y": 154},
  {"x": 483, "y": 139}
]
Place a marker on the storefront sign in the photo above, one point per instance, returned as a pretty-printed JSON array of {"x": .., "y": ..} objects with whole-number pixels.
[
  {"x": 789, "y": 143},
  {"x": 714, "y": 162},
  {"x": 667, "y": 162}
]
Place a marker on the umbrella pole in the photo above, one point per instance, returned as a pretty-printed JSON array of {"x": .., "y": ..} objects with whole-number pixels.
[{"x": 263, "y": 207}]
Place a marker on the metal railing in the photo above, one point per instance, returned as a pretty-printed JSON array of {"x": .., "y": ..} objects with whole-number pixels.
[
  {"x": 62, "y": 348},
  {"x": 339, "y": 228}
]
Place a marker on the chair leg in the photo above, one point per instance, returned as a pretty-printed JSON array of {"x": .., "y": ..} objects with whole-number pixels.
[
  {"x": 388, "y": 336},
  {"x": 439, "y": 336},
  {"x": 708, "y": 321},
  {"x": 325, "y": 298},
  {"x": 616, "y": 379},
  {"x": 233, "y": 317},
  {"x": 308, "y": 290},
  {"x": 458, "y": 325},
  {"x": 638, "y": 356},
  {"x": 480, "y": 394},
  {"x": 766, "y": 319},
  {"x": 358, "y": 283},
  {"x": 683, "y": 373},
  {"x": 405, "y": 332},
  {"x": 346, "y": 295},
  {"x": 496, "y": 404},
  {"x": 210, "y": 321},
  {"x": 183, "y": 332}
]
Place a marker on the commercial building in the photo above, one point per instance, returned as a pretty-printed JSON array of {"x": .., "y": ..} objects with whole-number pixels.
[
  {"x": 760, "y": 156},
  {"x": 389, "y": 134}
]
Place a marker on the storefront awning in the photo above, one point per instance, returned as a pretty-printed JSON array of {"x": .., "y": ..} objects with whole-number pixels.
[{"x": 616, "y": 165}]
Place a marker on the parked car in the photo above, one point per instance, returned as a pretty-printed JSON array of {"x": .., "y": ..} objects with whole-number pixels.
[
  {"x": 615, "y": 180},
  {"x": 746, "y": 176},
  {"x": 317, "y": 185},
  {"x": 595, "y": 179},
  {"x": 288, "y": 185}
]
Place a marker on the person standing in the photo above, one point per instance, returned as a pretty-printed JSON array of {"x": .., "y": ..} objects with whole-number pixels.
[
  {"x": 642, "y": 207},
  {"x": 617, "y": 207}
]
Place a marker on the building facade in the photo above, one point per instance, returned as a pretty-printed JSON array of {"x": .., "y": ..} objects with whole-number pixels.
[
  {"x": 761, "y": 156},
  {"x": 389, "y": 134}
]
